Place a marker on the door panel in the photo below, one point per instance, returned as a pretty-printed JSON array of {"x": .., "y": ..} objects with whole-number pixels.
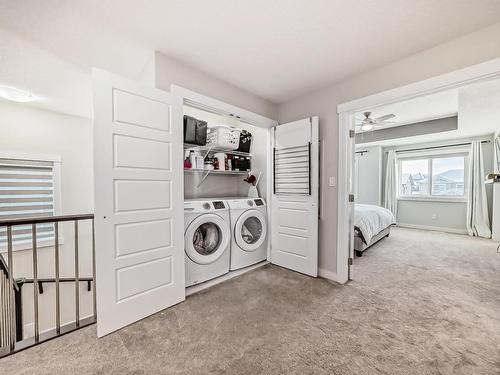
[
  {"x": 294, "y": 218},
  {"x": 139, "y": 216}
]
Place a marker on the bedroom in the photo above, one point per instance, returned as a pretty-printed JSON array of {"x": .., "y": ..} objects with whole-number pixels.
[{"x": 422, "y": 164}]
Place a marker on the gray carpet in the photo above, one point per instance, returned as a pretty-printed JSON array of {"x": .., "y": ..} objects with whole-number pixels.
[{"x": 421, "y": 303}]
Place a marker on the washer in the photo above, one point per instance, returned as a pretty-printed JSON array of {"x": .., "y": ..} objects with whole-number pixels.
[
  {"x": 248, "y": 231},
  {"x": 207, "y": 239}
]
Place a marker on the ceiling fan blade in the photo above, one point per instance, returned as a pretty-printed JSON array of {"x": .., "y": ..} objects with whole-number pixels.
[{"x": 384, "y": 118}]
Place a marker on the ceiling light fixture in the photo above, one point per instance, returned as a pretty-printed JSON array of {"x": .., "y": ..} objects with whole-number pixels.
[
  {"x": 15, "y": 95},
  {"x": 366, "y": 127}
]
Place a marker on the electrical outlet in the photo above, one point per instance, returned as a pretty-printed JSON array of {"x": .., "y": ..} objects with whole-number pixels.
[{"x": 434, "y": 216}]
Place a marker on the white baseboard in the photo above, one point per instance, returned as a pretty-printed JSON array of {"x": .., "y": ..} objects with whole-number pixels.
[
  {"x": 29, "y": 328},
  {"x": 329, "y": 275},
  {"x": 433, "y": 228},
  {"x": 207, "y": 284}
]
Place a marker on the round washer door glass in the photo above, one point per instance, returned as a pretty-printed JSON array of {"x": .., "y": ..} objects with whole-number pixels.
[
  {"x": 206, "y": 238},
  {"x": 250, "y": 230}
]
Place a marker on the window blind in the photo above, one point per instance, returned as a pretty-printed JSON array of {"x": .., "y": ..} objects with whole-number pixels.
[{"x": 26, "y": 190}]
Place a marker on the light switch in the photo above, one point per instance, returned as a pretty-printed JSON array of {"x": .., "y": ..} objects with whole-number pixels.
[{"x": 331, "y": 181}]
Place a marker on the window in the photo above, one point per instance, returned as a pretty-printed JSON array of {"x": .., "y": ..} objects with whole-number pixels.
[
  {"x": 433, "y": 176},
  {"x": 27, "y": 189}
]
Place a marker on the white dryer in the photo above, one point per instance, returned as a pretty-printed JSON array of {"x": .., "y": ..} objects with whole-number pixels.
[
  {"x": 248, "y": 230},
  {"x": 207, "y": 239}
]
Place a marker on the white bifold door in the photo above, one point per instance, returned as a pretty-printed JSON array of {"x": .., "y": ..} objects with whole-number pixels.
[
  {"x": 139, "y": 214},
  {"x": 294, "y": 217}
]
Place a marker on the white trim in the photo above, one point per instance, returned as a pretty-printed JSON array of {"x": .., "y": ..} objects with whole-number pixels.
[
  {"x": 432, "y": 198},
  {"x": 432, "y": 228},
  {"x": 228, "y": 276},
  {"x": 486, "y": 70},
  {"x": 345, "y": 209},
  {"x": 329, "y": 275},
  {"x": 208, "y": 103},
  {"x": 29, "y": 156}
]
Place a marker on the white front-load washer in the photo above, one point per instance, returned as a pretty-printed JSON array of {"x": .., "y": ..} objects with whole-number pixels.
[
  {"x": 248, "y": 230},
  {"x": 207, "y": 239}
]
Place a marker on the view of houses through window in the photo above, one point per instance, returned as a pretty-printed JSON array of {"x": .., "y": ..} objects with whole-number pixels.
[{"x": 433, "y": 176}]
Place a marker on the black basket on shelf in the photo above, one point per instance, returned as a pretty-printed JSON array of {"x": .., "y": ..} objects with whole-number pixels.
[{"x": 245, "y": 141}]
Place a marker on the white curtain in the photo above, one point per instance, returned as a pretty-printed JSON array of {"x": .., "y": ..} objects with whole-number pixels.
[
  {"x": 478, "y": 222},
  {"x": 391, "y": 183}
]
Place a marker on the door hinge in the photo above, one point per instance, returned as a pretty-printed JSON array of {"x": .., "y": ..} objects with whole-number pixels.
[
  {"x": 350, "y": 261},
  {"x": 351, "y": 197},
  {"x": 352, "y": 133}
]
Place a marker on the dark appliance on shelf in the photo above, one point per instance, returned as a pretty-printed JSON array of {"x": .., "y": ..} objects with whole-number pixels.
[
  {"x": 241, "y": 163},
  {"x": 195, "y": 131},
  {"x": 245, "y": 140}
]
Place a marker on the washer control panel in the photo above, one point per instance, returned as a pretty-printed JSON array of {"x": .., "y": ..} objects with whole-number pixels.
[{"x": 219, "y": 205}]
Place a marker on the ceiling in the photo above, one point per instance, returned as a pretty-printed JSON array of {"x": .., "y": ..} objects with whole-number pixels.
[
  {"x": 422, "y": 108},
  {"x": 475, "y": 105},
  {"x": 275, "y": 49}
]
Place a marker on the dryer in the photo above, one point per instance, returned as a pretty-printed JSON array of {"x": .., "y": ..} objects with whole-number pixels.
[
  {"x": 248, "y": 231},
  {"x": 207, "y": 240}
]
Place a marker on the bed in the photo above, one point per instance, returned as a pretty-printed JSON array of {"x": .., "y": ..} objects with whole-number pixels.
[{"x": 371, "y": 224}]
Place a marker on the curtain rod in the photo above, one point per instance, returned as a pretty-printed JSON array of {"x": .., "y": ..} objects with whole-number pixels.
[
  {"x": 362, "y": 152},
  {"x": 434, "y": 147}
]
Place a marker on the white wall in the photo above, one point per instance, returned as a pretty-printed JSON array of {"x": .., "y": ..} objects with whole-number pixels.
[
  {"x": 29, "y": 130},
  {"x": 471, "y": 49}
]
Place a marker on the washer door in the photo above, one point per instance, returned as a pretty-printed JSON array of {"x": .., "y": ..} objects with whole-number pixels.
[
  {"x": 250, "y": 230},
  {"x": 206, "y": 238}
]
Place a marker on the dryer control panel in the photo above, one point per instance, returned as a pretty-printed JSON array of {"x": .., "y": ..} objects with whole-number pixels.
[
  {"x": 259, "y": 202},
  {"x": 219, "y": 205}
]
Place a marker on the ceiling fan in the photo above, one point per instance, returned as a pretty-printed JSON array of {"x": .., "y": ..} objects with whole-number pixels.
[{"x": 368, "y": 123}]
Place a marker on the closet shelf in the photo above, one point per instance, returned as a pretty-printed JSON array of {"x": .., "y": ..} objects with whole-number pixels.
[
  {"x": 214, "y": 172},
  {"x": 215, "y": 149}
]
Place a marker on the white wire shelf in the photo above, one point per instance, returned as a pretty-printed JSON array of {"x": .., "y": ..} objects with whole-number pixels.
[
  {"x": 214, "y": 172},
  {"x": 208, "y": 149}
]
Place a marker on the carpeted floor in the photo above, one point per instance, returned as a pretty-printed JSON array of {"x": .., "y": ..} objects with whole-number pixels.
[{"x": 420, "y": 303}]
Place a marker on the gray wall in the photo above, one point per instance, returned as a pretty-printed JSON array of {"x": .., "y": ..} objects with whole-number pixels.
[
  {"x": 170, "y": 71},
  {"x": 409, "y": 130},
  {"x": 468, "y": 50}
]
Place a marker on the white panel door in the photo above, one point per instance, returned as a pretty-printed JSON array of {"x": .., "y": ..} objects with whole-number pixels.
[
  {"x": 294, "y": 216},
  {"x": 139, "y": 217}
]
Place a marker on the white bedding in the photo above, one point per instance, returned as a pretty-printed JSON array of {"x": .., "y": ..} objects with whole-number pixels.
[{"x": 370, "y": 220}]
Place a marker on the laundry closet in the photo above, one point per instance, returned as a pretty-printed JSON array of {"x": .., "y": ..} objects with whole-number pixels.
[
  {"x": 172, "y": 203},
  {"x": 225, "y": 211}
]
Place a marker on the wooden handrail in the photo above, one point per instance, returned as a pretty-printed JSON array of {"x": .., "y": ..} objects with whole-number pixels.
[{"x": 44, "y": 219}]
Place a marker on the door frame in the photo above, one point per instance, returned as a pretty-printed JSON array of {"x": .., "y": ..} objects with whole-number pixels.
[{"x": 475, "y": 73}]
